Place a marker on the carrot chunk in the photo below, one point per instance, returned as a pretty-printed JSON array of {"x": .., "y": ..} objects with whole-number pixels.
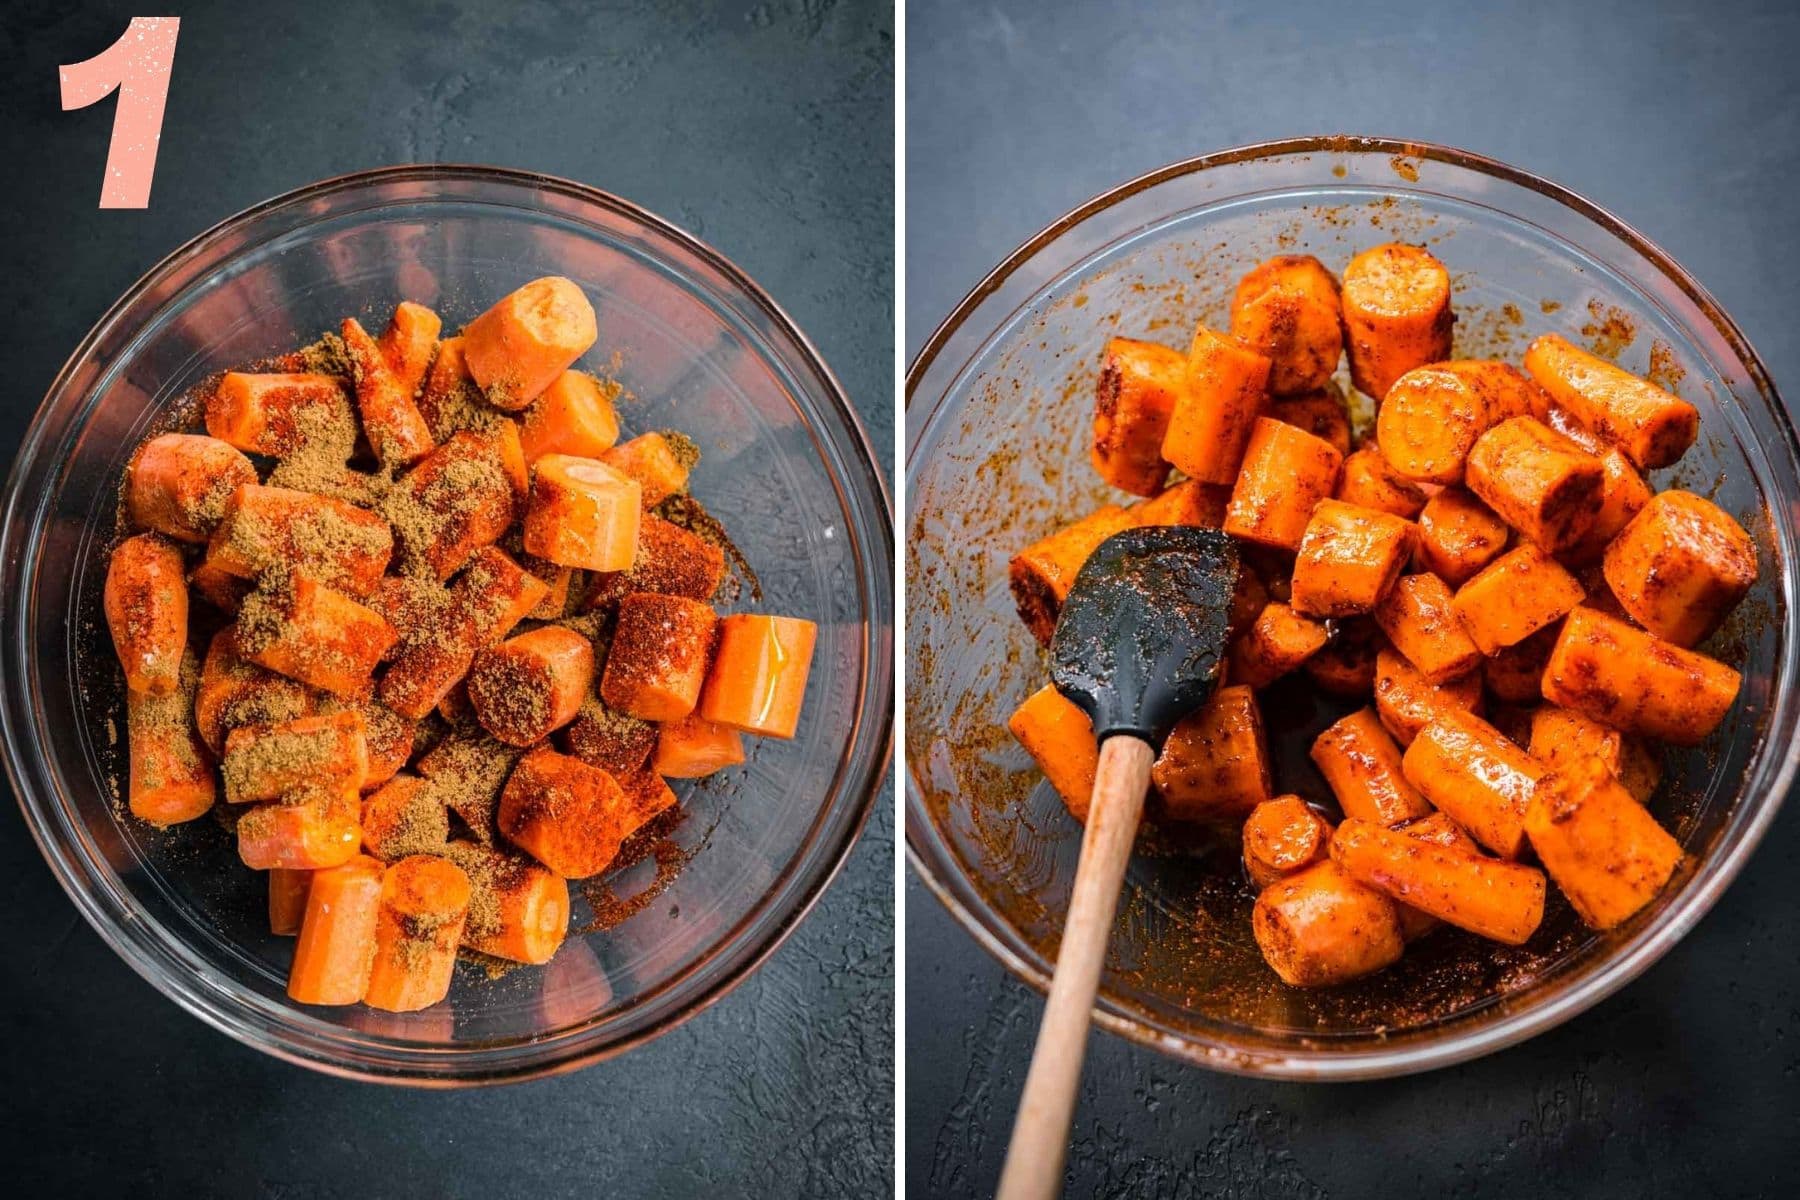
[
  {"x": 1681, "y": 566},
  {"x": 1286, "y": 471},
  {"x": 267, "y": 528},
  {"x": 1601, "y": 846},
  {"x": 418, "y": 925},
  {"x": 647, "y": 795},
  {"x": 1537, "y": 481},
  {"x": 300, "y": 628},
  {"x": 234, "y": 692},
  {"x": 1361, "y": 765},
  {"x": 1433, "y": 415},
  {"x": 1286, "y": 308},
  {"x": 1320, "y": 927},
  {"x": 468, "y": 769},
  {"x": 1623, "y": 493},
  {"x": 1486, "y": 896},
  {"x": 1346, "y": 665},
  {"x": 1282, "y": 836},
  {"x": 395, "y": 428},
  {"x": 659, "y": 462},
  {"x": 1653, "y": 427},
  {"x": 1227, "y": 384},
  {"x": 1278, "y": 641},
  {"x": 1419, "y": 618},
  {"x": 287, "y": 900},
  {"x": 518, "y": 910},
  {"x": 532, "y": 684},
  {"x": 1438, "y": 830},
  {"x": 669, "y": 560},
  {"x": 1139, "y": 385},
  {"x": 1407, "y": 702},
  {"x": 1042, "y": 574},
  {"x": 266, "y": 762},
  {"x": 660, "y": 651},
  {"x": 1348, "y": 560},
  {"x": 583, "y": 513},
  {"x": 1060, "y": 739},
  {"x": 563, "y": 813},
  {"x": 574, "y": 416},
  {"x": 692, "y": 746},
  {"x": 390, "y": 738},
  {"x": 1189, "y": 502},
  {"x": 319, "y": 829},
  {"x": 1368, "y": 481},
  {"x": 146, "y": 605},
  {"x": 1482, "y": 781},
  {"x": 280, "y": 414},
  {"x": 1320, "y": 412},
  {"x": 171, "y": 779},
  {"x": 1396, "y": 302},
  {"x": 450, "y": 401},
  {"x": 1560, "y": 739},
  {"x": 1215, "y": 764},
  {"x": 404, "y": 817},
  {"x": 612, "y": 741},
  {"x": 410, "y": 342},
  {"x": 758, "y": 676},
  {"x": 1516, "y": 674},
  {"x": 460, "y": 497},
  {"x": 516, "y": 349},
  {"x": 179, "y": 483},
  {"x": 1519, "y": 593},
  {"x": 1635, "y": 681},
  {"x": 1458, "y": 535},
  {"x": 336, "y": 946},
  {"x": 497, "y": 593}
]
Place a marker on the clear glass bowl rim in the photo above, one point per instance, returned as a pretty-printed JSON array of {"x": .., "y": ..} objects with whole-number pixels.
[
  {"x": 106, "y": 907},
  {"x": 1627, "y": 961}
]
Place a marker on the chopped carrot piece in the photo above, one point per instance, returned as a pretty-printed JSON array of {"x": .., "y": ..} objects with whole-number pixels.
[
  {"x": 146, "y": 604},
  {"x": 267, "y": 528},
  {"x": 310, "y": 833},
  {"x": 1433, "y": 415},
  {"x": 1349, "y": 558},
  {"x": 287, "y": 900},
  {"x": 460, "y": 497},
  {"x": 1652, "y": 426},
  {"x": 613, "y": 741},
  {"x": 1516, "y": 673},
  {"x": 405, "y": 816},
  {"x": 583, "y": 513},
  {"x": 1418, "y": 617},
  {"x": 1560, "y": 739},
  {"x": 1215, "y": 764},
  {"x": 267, "y": 762},
  {"x": 1519, "y": 593},
  {"x": 757, "y": 680},
  {"x": 692, "y": 746},
  {"x": 517, "y": 348},
  {"x": 574, "y": 416},
  {"x": 1635, "y": 681},
  {"x": 1681, "y": 566},
  {"x": 1601, "y": 846},
  {"x": 234, "y": 692},
  {"x": 300, "y": 628},
  {"x": 530, "y": 685},
  {"x": 1458, "y": 535},
  {"x": 518, "y": 910},
  {"x": 396, "y": 429},
  {"x": 1346, "y": 665},
  {"x": 1227, "y": 386},
  {"x": 1042, "y": 573},
  {"x": 1060, "y": 738},
  {"x": 1438, "y": 830},
  {"x": 1482, "y": 781},
  {"x": 450, "y": 401},
  {"x": 280, "y": 415},
  {"x": 1319, "y": 927},
  {"x": 1486, "y": 896},
  {"x": 659, "y": 462},
  {"x": 419, "y": 923},
  {"x": 390, "y": 738},
  {"x": 179, "y": 483},
  {"x": 1396, "y": 302},
  {"x": 1361, "y": 765},
  {"x": 1189, "y": 502},
  {"x": 1623, "y": 493},
  {"x": 497, "y": 593},
  {"x": 660, "y": 651},
  {"x": 669, "y": 560},
  {"x": 1286, "y": 308},
  {"x": 426, "y": 672},
  {"x": 1139, "y": 385},
  {"x": 563, "y": 813},
  {"x": 469, "y": 770},
  {"x": 1537, "y": 481},
  {"x": 410, "y": 342},
  {"x": 336, "y": 947},
  {"x": 1278, "y": 641},
  {"x": 224, "y": 592},
  {"x": 647, "y": 795},
  {"x": 1282, "y": 836},
  {"x": 1369, "y": 481},
  {"x": 171, "y": 778},
  {"x": 1286, "y": 472},
  {"x": 1407, "y": 701}
]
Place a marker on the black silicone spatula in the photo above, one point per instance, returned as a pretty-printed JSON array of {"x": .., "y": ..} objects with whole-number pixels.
[{"x": 1139, "y": 645}]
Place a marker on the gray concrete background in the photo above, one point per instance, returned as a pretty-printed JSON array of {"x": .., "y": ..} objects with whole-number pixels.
[
  {"x": 764, "y": 128},
  {"x": 1684, "y": 119}
]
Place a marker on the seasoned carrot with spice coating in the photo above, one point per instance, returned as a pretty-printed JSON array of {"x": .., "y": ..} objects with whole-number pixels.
[
  {"x": 1433, "y": 415},
  {"x": 583, "y": 513},
  {"x": 1634, "y": 681},
  {"x": 279, "y": 414},
  {"x": 171, "y": 778},
  {"x": 518, "y": 910},
  {"x": 692, "y": 747},
  {"x": 1396, "y": 302},
  {"x": 574, "y": 416},
  {"x": 1681, "y": 566},
  {"x": 178, "y": 484},
  {"x": 1215, "y": 764},
  {"x": 1282, "y": 836},
  {"x": 1139, "y": 385},
  {"x": 1560, "y": 738},
  {"x": 669, "y": 560},
  {"x": 1458, "y": 535},
  {"x": 336, "y": 945},
  {"x": 1601, "y": 846},
  {"x": 1361, "y": 764},
  {"x": 1286, "y": 471},
  {"x": 424, "y": 903},
  {"x": 395, "y": 428},
  {"x": 757, "y": 680},
  {"x": 1348, "y": 560},
  {"x": 287, "y": 900},
  {"x": 1495, "y": 899},
  {"x": 1320, "y": 412},
  {"x": 1278, "y": 641},
  {"x": 284, "y": 529},
  {"x": 612, "y": 741},
  {"x": 517, "y": 348},
  {"x": 1622, "y": 495},
  {"x": 660, "y": 462},
  {"x": 146, "y": 605},
  {"x": 532, "y": 684},
  {"x": 1227, "y": 387},
  {"x": 1407, "y": 702},
  {"x": 1519, "y": 593},
  {"x": 462, "y": 496},
  {"x": 235, "y": 692},
  {"x": 1320, "y": 927},
  {"x": 319, "y": 829},
  {"x": 1419, "y": 618},
  {"x": 1438, "y": 830},
  {"x": 266, "y": 762},
  {"x": 402, "y": 817},
  {"x": 1538, "y": 481},
  {"x": 1346, "y": 665},
  {"x": 1369, "y": 481},
  {"x": 661, "y": 648},
  {"x": 1042, "y": 573},
  {"x": 1060, "y": 738},
  {"x": 450, "y": 401},
  {"x": 409, "y": 343},
  {"x": 1480, "y": 780},
  {"x": 1653, "y": 427},
  {"x": 1189, "y": 502},
  {"x": 300, "y": 628},
  {"x": 1516, "y": 674},
  {"x": 563, "y": 813},
  {"x": 1286, "y": 308}
]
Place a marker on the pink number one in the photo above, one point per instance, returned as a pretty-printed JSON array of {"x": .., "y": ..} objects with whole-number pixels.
[{"x": 138, "y": 66}]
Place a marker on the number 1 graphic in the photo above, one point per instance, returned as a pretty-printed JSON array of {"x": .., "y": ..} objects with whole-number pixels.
[{"x": 137, "y": 65}]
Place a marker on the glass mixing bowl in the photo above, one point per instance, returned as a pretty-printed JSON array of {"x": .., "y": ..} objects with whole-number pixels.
[
  {"x": 998, "y": 409},
  {"x": 699, "y": 347}
]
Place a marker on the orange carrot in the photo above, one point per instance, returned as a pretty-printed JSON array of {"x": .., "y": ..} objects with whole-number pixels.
[
  {"x": 758, "y": 676},
  {"x": 1285, "y": 472},
  {"x": 1519, "y": 593},
  {"x": 395, "y": 428},
  {"x": 1495, "y": 899},
  {"x": 266, "y": 762},
  {"x": 1407, "y": 702},
  {"x": 410, "y": 342},
  {"x": 1320, "y": 412},
  {"x": 310, "y": 833},
  {"x": 1215, "y": 764},
  {"x": 1438, "y": 830},
  {"x": 1277, "y": 642},
  {"x": 1396, "y": 302},
  {"x": 178, "y": 484},
  {"x": 450, "y": 401},
  {"x": 1418, "y": 617},
  {"x": 390, "y": 739},
  {"x": 647, "y": 795},
  {"x": 1059, "y": 737},
  {"x": 424, "y": 904},
  {"x": 287, "y": 900},
  {"x": 1623, "y": 493},
  {"x": 1433, "y": 415},
  {"x": 692, "y": 746},
  {"x": 563, "y": 813},
  {"x": 1458, "y": 535},
  {"x": 404, "y": 817},
  {"x": 1681, "y": 566},
  {"x": 271, "y": 528},
  {"x": 1361, "y": 765},
  {"x": 462, "y": 496},
  {"x": 1649, "y": 424},
  {"x": 1189, "y": 502},
  {"x": 1042, "y": 573},
  {"x": 337, "y": 935},
  {"x": 171, "y": 777},
  {"x": 517, "y": 910},
  {"x": 300, "y": 628},
  {"x": 1603, "y": 848},
  {"x": 1516, "y": 674},
  {"x": 1286, "y": 308},
  {"x": 660, "y": 651},
  {"x": 1482, "y": 781},
  {"x": 531, "y": 684},
  {"x": 1348, "y": 560},
  {"x": 1320, "y": 927},
  {"x": 517, "y": 348},
  {"x": 234, "y": 692},
  {"x": 574, "y": 416},
  {"x": 146, "y": 604},
  {"x": 1635, "y": 681},
  {"x": 1346, "y": 665},
  {"x": 426, "y": 672},
  {"x": 1537, "y": 481},
  {"x": 1369, "y": 481},
  {"x": 659, "y": 462},
  {"x": 1227, "y": 384},
  {"x": 1139, "y": 385},
  {"x": 610, "y": 740},
  {"x": 279, "y": 414},
  {"x": 669, "y": 560},
  {"x": 1282, "y": 836},
  {"x": 583, "y": 513},
  {"x": 1560, "y": 739}
]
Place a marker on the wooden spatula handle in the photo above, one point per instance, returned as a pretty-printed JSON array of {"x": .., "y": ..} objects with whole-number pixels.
[{"x": 1040, "y": 1139}]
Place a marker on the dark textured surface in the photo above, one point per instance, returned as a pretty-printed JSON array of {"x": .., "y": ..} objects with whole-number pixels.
[
  {"x": 765, "y": 129},
  {"x": 1682, "y": 118}
]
